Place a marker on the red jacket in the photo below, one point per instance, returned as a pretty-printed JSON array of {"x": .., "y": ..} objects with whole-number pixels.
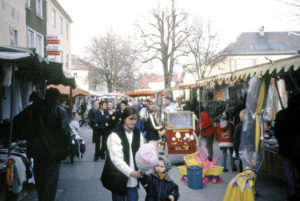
[
  {"x": 207, "y": 125},
  {"x": 224, "y": 135}
]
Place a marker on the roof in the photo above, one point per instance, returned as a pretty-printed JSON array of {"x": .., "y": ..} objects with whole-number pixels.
[
  {"x": 144, "y": 81},
  {"x": 62, "y": 10},
  {"x": 32, "y": 66},
  {"x": 270, "y": 43},
  {"x": 274, "y": 68},
  {"x": 79, "y": 64}
]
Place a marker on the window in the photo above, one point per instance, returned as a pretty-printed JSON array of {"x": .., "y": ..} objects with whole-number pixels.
[
  {"x": 13, "y": 13},
  {"x": 13, "y": 35},
  {"x": 30, "y": 38},
  {"x": 67, "y": 31},
  {"x": 35, "y": 40},
  {"x": 54, "y": 18},
  {"x": 40, "y": 44},
  {"x": 61, "y": 24},
  {"x": 67, "y": 61},
  {"x": 27, "y": 3},
  {"x": 39, "y": 8},
  {"x": 61, "y": 56}
]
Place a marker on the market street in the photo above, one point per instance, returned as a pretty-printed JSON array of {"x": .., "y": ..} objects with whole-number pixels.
[{"x": 80, "y": 181}]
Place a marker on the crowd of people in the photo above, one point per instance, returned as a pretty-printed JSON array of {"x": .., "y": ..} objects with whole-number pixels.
[{"x": 120, "y": 129}]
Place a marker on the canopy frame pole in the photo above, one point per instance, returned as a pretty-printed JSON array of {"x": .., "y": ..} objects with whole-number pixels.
[{"x": 11, "y": 108}]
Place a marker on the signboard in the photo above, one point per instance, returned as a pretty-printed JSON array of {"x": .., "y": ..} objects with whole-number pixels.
[
  {"x": 53, "y": 50},
  {"x": 52, "y": 40}
]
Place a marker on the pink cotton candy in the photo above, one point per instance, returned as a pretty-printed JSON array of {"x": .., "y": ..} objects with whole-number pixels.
[{"x": 146, "y": 157}]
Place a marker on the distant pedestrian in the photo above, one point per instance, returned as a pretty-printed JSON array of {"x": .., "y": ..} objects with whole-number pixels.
[
  {"x": 92, "y": 118},
  {"x": 102, "y": 118},
  {"x": 120, "y": 172},
  {"x": 158, "y": 185},
  {"x": 144, "y": 112},
  {"x": 112, "y": 117},
  {"x": 83, "y": 107},
  {"x": 206, "y": 126},
  {"x": 225, "y": 139},
  {"x": 237, "y": 138},
  {"x": 119, "y": 112},
  {"x": 152, "y": 127}
]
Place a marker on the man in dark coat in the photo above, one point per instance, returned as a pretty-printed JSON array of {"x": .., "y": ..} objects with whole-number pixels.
[
  {"x": 48, "y": 138},
  {"x": 287, "y": 133}
]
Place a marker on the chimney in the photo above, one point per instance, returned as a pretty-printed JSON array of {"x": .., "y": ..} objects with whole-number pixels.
[{"x": 262, "y": 31}]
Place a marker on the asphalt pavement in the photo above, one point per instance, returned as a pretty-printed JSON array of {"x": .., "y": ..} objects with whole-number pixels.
[{"x": 81, "y": 181}]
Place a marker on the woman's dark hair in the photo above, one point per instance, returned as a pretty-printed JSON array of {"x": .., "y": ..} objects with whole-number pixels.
[
  {"x": 102, "y": 102},
  {"x": 52, "y": 95},
  {"x": 202, "y": 109},
  {"x": 124, "y": 102},
  {"x": 130, "y": 110}
]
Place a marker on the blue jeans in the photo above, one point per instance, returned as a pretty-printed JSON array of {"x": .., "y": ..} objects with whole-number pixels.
[
  {"x": 131, "y": 195},
  {"x": 224, "y": 157}
]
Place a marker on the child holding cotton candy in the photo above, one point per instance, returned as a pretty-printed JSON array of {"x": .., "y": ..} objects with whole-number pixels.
[{"x": 158, "y": 185}]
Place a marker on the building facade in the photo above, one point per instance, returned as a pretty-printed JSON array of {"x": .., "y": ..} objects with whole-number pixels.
[
  {"x": 36, "y": 25},
  {"x": 253, "y": 48},
  {"x": 13, "y": 23},
  {"x": 59, "y": 26},
  {"x": 80, "y": 71}
]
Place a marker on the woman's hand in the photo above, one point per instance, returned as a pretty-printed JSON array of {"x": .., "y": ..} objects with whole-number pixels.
[
  {"x": 171, "y": 197},
  {"x": 136, "y": 174}
]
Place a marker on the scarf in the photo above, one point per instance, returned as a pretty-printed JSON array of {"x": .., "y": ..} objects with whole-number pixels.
[{"x": 162, "y": 175}]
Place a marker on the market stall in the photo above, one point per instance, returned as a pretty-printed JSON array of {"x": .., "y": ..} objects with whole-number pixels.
[
  {"x": 22, "y": 72},
  {"x": 268, "y": 89}
]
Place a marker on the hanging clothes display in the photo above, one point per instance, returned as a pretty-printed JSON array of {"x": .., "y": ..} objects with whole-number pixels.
[{"x": 241, "y": 187}]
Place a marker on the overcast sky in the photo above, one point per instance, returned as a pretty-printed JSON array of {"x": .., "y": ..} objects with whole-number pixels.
[{"x": 229, "y": 17}]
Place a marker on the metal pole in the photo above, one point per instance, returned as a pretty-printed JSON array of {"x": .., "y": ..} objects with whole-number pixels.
[
  {"x": 11, "y": 107},
  {"x": 71, "y": 104},
  {"x": 200, "y": 130}
]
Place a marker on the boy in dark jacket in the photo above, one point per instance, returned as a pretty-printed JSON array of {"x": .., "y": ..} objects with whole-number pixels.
[{"x": 158, "y": 185}]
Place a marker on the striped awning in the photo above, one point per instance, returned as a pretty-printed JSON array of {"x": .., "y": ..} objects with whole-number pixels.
[
  {"x": 139, "y": 93},
  {"x": 271, "y": 68}
]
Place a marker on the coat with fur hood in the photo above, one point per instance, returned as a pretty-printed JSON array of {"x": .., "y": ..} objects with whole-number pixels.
[
  {"x": 224, "y": 134},
  {"x": 159, "y": 189}
]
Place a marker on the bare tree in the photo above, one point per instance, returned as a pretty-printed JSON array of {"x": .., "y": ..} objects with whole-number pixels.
[
  {"x": 201, "y": 48},
  {"x": 295, "y": 3},
  {"x": 115, "y": 60},
  {"x": 165, "y": 38}
]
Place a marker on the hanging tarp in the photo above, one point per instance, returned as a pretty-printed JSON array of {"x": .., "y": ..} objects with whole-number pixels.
[
  {"x": 241, "y": 187},
  {"x": 251, "y": 145},
  {"x": 14, "y": 53},
  {"x": 30, "y": 66},
  {"x": 276, "y": 67}
]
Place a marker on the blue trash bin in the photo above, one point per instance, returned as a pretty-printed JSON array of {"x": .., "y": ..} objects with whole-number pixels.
[{"x": 195, "y": 179}]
